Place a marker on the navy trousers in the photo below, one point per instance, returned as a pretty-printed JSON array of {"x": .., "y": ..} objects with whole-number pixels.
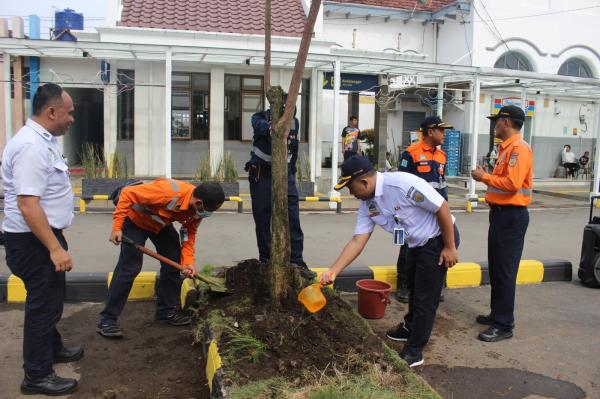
[
  {"x": 260, "y": 192},
  {"x": 506, "y": 237},
  {"x": 425, "y": 281},
  {"x": 28, "y": 259},
  {"x": 129, "y": 266}
]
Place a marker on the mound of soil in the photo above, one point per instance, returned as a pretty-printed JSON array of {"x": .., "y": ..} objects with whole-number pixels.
[
  {"x": 153, "y": 360},
  {"x": 297, "y": 340}
]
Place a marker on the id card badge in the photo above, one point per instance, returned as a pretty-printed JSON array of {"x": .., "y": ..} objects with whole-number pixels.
[
  {"x": 399, "y": 236},
  {"x": 183, "y": 233}
]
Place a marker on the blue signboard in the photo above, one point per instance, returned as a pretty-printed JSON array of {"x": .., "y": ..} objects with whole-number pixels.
[{"x": 352, "y": 82}]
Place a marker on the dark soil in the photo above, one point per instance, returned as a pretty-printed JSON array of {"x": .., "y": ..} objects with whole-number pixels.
[
  {"x": 153, "y": 360},
  {"x": 297, "y": 341}
]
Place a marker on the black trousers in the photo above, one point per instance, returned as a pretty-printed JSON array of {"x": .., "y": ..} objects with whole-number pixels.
[
  {"x": 129, "y": 266},
  {"x": 260, "y": 191},
  {"x": 425, "y": 281},
  {"x": 28, "y": 259},
  {"x": 506, "y": 237}
]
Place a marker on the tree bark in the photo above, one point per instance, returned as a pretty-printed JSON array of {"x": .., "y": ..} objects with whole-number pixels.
[{"x": 281, "y": 275}]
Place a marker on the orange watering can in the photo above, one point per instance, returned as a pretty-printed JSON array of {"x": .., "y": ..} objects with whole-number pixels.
[{"x": 312, "y": 297}]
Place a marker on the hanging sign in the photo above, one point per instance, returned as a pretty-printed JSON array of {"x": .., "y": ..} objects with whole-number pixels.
[
  {"x": 352, "y": 82},
  {"x": 528, "y": 107}
]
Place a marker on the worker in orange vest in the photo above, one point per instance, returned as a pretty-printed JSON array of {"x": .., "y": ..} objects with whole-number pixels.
[
  {"x": 147, "y": 211},
  {"x": 508, "y": 194}
]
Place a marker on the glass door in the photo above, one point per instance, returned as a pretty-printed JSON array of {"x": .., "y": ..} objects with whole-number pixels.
[{"x": 251, "y": 104}]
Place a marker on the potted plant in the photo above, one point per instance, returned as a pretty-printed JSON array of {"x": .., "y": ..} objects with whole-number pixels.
[
  {"x": 100, "y": 178},
  {"x": 306, "y": 188},
  {"x": 368, "y": 137}
]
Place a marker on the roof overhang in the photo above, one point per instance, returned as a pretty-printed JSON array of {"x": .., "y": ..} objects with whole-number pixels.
[
  {"x": 211, "y": 50},
  {"x": 350, "y": 10}
]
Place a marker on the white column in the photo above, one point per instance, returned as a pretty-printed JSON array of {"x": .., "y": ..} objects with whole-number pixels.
[
  {"x": 595, "y": 190},
  {"x": 440, "y": 97},
  {"x": 168, "y": 70},
  {"x": 312, "y": 138},
  {"x": 7, "y": 101},
  {"x": 110, "y": 115},
  {"x": 334, "y": 130},
  {"x": 524, "y": 99},
  {"x": 474, "y": 108},
  {"x": 319, "y": 136},
  {"x": 216, "y": 140}
]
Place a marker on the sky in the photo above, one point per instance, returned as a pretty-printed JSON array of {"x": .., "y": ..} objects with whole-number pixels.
[{"x": 94, "y": 11}]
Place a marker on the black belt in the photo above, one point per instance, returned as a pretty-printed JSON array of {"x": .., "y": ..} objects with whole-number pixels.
[{"x": 500, "y": 208}]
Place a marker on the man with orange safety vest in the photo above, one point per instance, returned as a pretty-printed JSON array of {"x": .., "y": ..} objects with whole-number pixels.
[
  {"x": 426, "y": 160},
  {"x": 508, "y": 194},
  {"x": 147, "y": 211}
]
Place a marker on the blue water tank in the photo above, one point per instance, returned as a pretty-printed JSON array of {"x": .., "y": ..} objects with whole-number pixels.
[{"x": 67, "y": 19}]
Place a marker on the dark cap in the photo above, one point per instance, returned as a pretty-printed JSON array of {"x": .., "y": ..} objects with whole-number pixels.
[
  {"x": 353, "y": 167},
  {"x": 432, "y": 122},
  {"x": 510, "y": 112}
]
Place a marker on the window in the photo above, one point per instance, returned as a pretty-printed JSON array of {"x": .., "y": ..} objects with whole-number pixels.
[
  {"x": 575, "y": 67},
  {"x": 125, "y": 104},
  {"x": 513, "y": 60},
  {"x": 190, "y": 106},
  {"x": 243, "y": 97}
]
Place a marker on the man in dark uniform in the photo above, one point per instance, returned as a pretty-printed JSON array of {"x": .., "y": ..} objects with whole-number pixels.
[
  {"x": 38, "y": 206},
  {"x": 426, "y": 160},
  {"x": 508, "y": 194},
  {"x": 259, "y": 176}
]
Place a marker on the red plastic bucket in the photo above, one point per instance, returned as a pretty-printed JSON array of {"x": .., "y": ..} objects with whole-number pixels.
[{"x": 373, "y": 298}]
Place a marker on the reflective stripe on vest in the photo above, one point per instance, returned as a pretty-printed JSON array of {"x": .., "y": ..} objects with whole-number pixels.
[
  {"x": 175, "y": 187},
  {"x": 145, "y": 211},
  {"x": 437, "y": 185},
  {"x": 266, "y": 157},
  {"x": 523, "y": 191}
]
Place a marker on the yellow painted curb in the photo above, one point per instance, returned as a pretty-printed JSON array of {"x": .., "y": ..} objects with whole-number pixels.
[
  {"x": 387, "y": 274},
  {"x": 213, "y": 363},
  {"x": 143, "y": 286},
  {"x": 319, "y": 271},
  {"x": 464, "y": 275},
  {"x": 187, "y": 286},
  {"x": 530, "y": 272},
  {"x": 15, "y": 290}
]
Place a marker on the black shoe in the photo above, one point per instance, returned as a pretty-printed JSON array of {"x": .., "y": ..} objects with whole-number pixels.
[
  {"x": 412, "y": 360},
  {"x": 176, "y": 318},
  {"x": 68, "y": 355},
  {"x": 306, "y": 273},
  {"x": 493, "y": 334},
  {"x": 50, "y": 385},
  {"x": 109, "y": 330},
  {"x": 400, "y": 333},
  {"x": 442, "y": 298},
  {"x": 402, "y": 293},
  {"x": 485, "y": 320}
]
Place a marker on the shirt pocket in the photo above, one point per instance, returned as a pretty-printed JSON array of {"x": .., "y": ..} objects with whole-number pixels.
[
  {"x": 59, "y": 172},
  {"x": 380, "y": 220},
  {"x": 423, "y": 168}
]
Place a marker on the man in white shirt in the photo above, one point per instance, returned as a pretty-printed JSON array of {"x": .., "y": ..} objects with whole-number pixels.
[
  {"x": 569, "y": 161},
  {"x": 38, "y": 205},
  {"x": 418, "y": 216}
]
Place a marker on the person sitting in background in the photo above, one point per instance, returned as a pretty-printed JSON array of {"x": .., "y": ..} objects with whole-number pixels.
[
  {"x": 569, "y": 161},
  {"x": 584, "y": 159}
]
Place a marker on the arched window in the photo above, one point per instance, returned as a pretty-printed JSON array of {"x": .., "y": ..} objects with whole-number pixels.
[
  {"x": 513, "y": 60},
  {"x": 575, "y": 67}
]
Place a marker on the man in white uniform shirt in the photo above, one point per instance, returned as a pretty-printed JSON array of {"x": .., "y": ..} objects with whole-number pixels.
[
  {"x": 38, "y": 205},
  {"x": 418, "y": 216}
]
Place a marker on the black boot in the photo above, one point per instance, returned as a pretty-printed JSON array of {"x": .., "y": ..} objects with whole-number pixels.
[{"x": 50, "y": 385}]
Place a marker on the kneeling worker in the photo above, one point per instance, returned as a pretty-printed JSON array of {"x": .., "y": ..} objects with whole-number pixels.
[
  {"x": 409, "y": 208},
  {"x": 148, "y": 211}
]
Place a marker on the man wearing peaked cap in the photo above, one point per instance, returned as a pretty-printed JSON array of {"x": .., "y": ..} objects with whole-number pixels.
[
  {"x": 508, "y": 194},
  {"x": 417, "y": 216},
  {"x": 426, "y": 160}
]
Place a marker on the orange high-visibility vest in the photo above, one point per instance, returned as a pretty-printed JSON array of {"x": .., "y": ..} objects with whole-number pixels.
[
  {"x": 511, "y": 181},
  {"x": 155, "y": 205}
]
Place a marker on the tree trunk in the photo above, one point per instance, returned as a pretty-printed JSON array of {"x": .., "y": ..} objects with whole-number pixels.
[{"x": 281, "y": 275}]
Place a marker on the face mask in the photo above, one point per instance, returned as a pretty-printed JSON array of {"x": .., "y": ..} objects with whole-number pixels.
[{"x": 203, "y": 214}]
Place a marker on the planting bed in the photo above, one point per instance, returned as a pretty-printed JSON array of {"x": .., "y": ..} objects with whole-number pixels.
[{"x": 290, "y": 348}]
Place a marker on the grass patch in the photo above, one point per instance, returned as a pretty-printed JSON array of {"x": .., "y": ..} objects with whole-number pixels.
[{"x": 244, "y": 346}]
